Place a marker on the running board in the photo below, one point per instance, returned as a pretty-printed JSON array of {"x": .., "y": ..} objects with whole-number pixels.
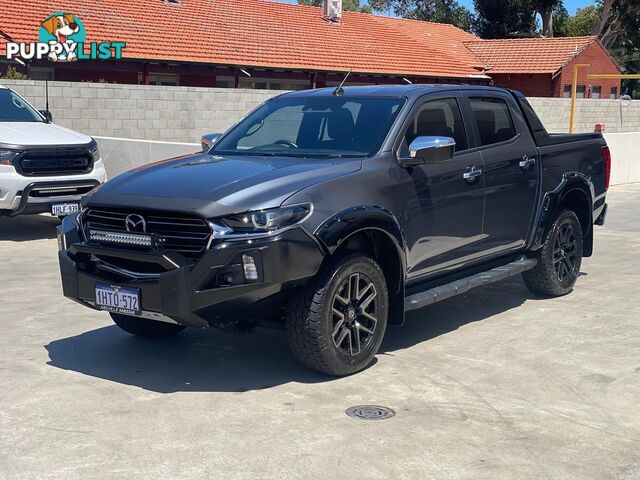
[{"x": 463, "y": 285}]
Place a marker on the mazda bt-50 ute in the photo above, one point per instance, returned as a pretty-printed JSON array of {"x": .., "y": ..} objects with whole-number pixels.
[
  {"x": 43, "y": 167},
  {"x": 330, "y": 213}
]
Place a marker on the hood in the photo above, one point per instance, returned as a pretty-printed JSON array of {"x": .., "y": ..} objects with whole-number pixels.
[
  {"x": 210, "y": 186},
  {"x": 35, "y": 134}
]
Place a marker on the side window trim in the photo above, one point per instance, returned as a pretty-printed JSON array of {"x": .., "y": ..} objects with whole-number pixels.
[{"x": 421, "y": 102}]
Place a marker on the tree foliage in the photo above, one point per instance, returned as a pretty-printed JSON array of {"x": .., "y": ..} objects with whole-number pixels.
[
  {"x": 442, "y": 11},
  {"x": 505, "y": 18},
  {"x": 13, "y": 74}
]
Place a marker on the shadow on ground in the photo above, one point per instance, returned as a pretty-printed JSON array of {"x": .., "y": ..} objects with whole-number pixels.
[
  {"x": 28, "y": 227},
  {"x": 214, "y": 361}
]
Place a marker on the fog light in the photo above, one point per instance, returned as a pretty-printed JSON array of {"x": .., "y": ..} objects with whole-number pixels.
[{"x": 250, "y": 270}]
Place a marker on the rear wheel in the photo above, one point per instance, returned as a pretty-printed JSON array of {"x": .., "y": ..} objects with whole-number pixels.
[
  {"x": 146, "y": 328},
  {"x": 336, "y": 323},
  {"x": 559, "y": 259}
]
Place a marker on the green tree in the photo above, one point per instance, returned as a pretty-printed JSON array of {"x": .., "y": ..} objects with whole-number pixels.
[
  {"x": 579, "y": 24},
  {"x": 442, "y": 11},
  {"x": 13, "y": 74},
  {"x": 505, "y": 18}
]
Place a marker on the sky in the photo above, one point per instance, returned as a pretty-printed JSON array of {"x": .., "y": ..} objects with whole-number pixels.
[{"x": 571, "y": 5}]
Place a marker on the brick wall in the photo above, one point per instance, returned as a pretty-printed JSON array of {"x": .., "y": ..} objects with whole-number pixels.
[
  {"x": 183, "y": 114},
  {"x": 554, "y": 113},
  {"x": 600, "y": 62},
  {"x": 173, "y": 114},
  {"x": 539, "y": 85}
]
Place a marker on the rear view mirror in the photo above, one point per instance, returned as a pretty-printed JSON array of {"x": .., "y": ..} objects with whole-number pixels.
[
  {"x": 47, "y": 114},
  {"x": 425, "y": 150},
  {"x": 207, "y": 141}
]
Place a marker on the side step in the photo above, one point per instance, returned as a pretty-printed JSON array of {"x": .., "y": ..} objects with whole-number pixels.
[{"x": 463, "y": 285}]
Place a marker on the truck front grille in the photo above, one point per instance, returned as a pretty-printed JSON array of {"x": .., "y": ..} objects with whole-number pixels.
[
  {"x": 55, "y": 162},
  {"x": 186, "y": 235}
]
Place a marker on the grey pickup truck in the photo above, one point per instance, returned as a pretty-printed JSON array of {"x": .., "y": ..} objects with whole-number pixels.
[{"x": 330, "y": 213}]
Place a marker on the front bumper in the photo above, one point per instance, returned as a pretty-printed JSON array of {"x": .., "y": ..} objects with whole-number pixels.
[
  {"x": 206, "y": 291},
  {"x": 17, "y": 192}
]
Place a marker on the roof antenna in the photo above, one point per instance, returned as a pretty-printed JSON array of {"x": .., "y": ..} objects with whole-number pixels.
[
  {"x": 339, "y": 91},
  {"x": 405, "y": 79}
]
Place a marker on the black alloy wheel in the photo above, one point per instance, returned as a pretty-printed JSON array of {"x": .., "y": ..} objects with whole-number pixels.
[{"x": 354, "y": 314}]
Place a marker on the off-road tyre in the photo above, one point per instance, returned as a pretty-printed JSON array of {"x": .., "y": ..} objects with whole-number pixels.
[
  {"x": 143, "y": 327},
  {"x": 313, "y": 315},
  {"x": 559, "y": 259}
]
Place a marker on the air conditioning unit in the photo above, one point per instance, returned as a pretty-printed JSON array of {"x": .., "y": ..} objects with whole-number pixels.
[{"x": 332, "y": 10}]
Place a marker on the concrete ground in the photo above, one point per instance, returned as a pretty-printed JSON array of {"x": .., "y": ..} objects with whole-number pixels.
[{"x": 497, "y": 384}]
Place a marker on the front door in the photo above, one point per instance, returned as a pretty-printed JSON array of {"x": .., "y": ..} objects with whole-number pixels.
[{"x": 443, "y": 211}]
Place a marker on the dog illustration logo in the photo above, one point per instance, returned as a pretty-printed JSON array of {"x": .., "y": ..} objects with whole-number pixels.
[
  {"x": 63, "y": 38},
  {"x": 65, "y": 29}
]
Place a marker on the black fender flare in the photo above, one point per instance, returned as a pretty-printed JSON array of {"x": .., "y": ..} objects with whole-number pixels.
[
  {"x": 571, "y": 181},
  {"x": 338, "y": 228}
]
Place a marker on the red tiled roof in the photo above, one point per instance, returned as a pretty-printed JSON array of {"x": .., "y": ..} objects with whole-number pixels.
[
  {"x": 528, "y": 55},
  {"x": 258, "y": 33}
]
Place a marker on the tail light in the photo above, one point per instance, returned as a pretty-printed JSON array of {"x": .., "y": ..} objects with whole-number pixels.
[{"x": 606, "y": 165}]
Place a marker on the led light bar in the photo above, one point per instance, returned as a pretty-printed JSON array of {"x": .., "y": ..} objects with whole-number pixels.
[{"x": 120, "y": 238}]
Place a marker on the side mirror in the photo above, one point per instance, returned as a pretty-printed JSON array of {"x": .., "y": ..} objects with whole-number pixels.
[
  {"x": 47, "y": 115},
  {"x": 207, "y": 141},
  {"x": 425, "y": 150}
]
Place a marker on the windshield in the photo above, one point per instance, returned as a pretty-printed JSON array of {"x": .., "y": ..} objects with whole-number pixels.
[
  {"x": 14, "y": 109},
  {"x": 313, "y": 127}
]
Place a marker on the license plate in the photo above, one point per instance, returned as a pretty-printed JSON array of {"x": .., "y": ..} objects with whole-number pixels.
[
  {"x": 63, "y": 209},
  {"x": 118, "y": 299}
]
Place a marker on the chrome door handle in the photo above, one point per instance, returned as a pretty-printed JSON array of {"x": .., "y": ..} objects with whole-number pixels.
[
  {"x": 527, "y": 162},
  {"x": 472, "y": 174}
]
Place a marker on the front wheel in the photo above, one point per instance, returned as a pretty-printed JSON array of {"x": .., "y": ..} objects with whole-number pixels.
[
  {"x": 142, "y": 327},
  {"x": 336, "y": 323},
  {"x": 559, "y": 259}
]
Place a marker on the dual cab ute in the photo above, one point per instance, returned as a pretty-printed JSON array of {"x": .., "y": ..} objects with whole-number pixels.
[
  {"x": 43, "y": 167},
  {"x": 330, "y": 213}
]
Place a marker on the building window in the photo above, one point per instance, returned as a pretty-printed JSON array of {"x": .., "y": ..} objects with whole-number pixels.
[
  {"x": 581, "y": 91},
  {"x": 165, "y": 79},
  {"x": 596, "y": 92},
  {"x": 38, "y": 73},
  {"x": 567, "y": 91},
  {"x": 614, "y": 93}
]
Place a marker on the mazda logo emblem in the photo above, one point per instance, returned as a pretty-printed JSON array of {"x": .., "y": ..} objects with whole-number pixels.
[{"x": 135, "y": 223}]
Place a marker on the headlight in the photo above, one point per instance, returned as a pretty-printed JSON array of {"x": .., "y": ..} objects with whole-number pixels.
[
  {"x": 7, "y": 156},
  {"x": 95, "y": 151},
  {"x": 262, "y": 221}
]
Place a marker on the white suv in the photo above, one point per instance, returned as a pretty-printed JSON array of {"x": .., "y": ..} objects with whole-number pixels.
[{"x": 43, "y": 167}]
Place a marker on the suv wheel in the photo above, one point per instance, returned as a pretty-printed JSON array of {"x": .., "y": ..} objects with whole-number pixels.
[
  {"x": 559, "y": 259},
  {"x": 336, "y": 323},
  {"x": 143, "y": 327}
]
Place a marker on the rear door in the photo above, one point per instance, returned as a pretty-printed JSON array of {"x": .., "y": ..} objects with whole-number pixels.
[{"x": 510, "y": 158}]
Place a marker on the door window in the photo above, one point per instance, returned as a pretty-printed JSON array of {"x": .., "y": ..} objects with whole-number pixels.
[
  {"x": 437, "y": 118},
  {"x": 493, "y": 119}
]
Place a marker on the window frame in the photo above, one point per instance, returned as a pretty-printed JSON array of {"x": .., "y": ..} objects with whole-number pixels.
[
  {"x": 507, "y": 101},
  {"x": 409, "y": 119}
]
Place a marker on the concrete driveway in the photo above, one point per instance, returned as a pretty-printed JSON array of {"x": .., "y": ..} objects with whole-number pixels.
[{"x": 497, "y": 384}]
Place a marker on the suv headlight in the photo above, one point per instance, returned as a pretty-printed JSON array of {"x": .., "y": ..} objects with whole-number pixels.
[
  {"x": 260, "y": 222},
  {"x": 95, "y": 151},
  {"x": 7, "y": 156}
]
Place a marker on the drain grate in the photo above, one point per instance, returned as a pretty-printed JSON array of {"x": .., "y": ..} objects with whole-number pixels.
[{"x": 370, "y": 412}]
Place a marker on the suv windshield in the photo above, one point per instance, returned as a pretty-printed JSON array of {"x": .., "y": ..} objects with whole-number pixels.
[
  {"x": 313, "y": 127},
  {"x": 14, "y": 109}
]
